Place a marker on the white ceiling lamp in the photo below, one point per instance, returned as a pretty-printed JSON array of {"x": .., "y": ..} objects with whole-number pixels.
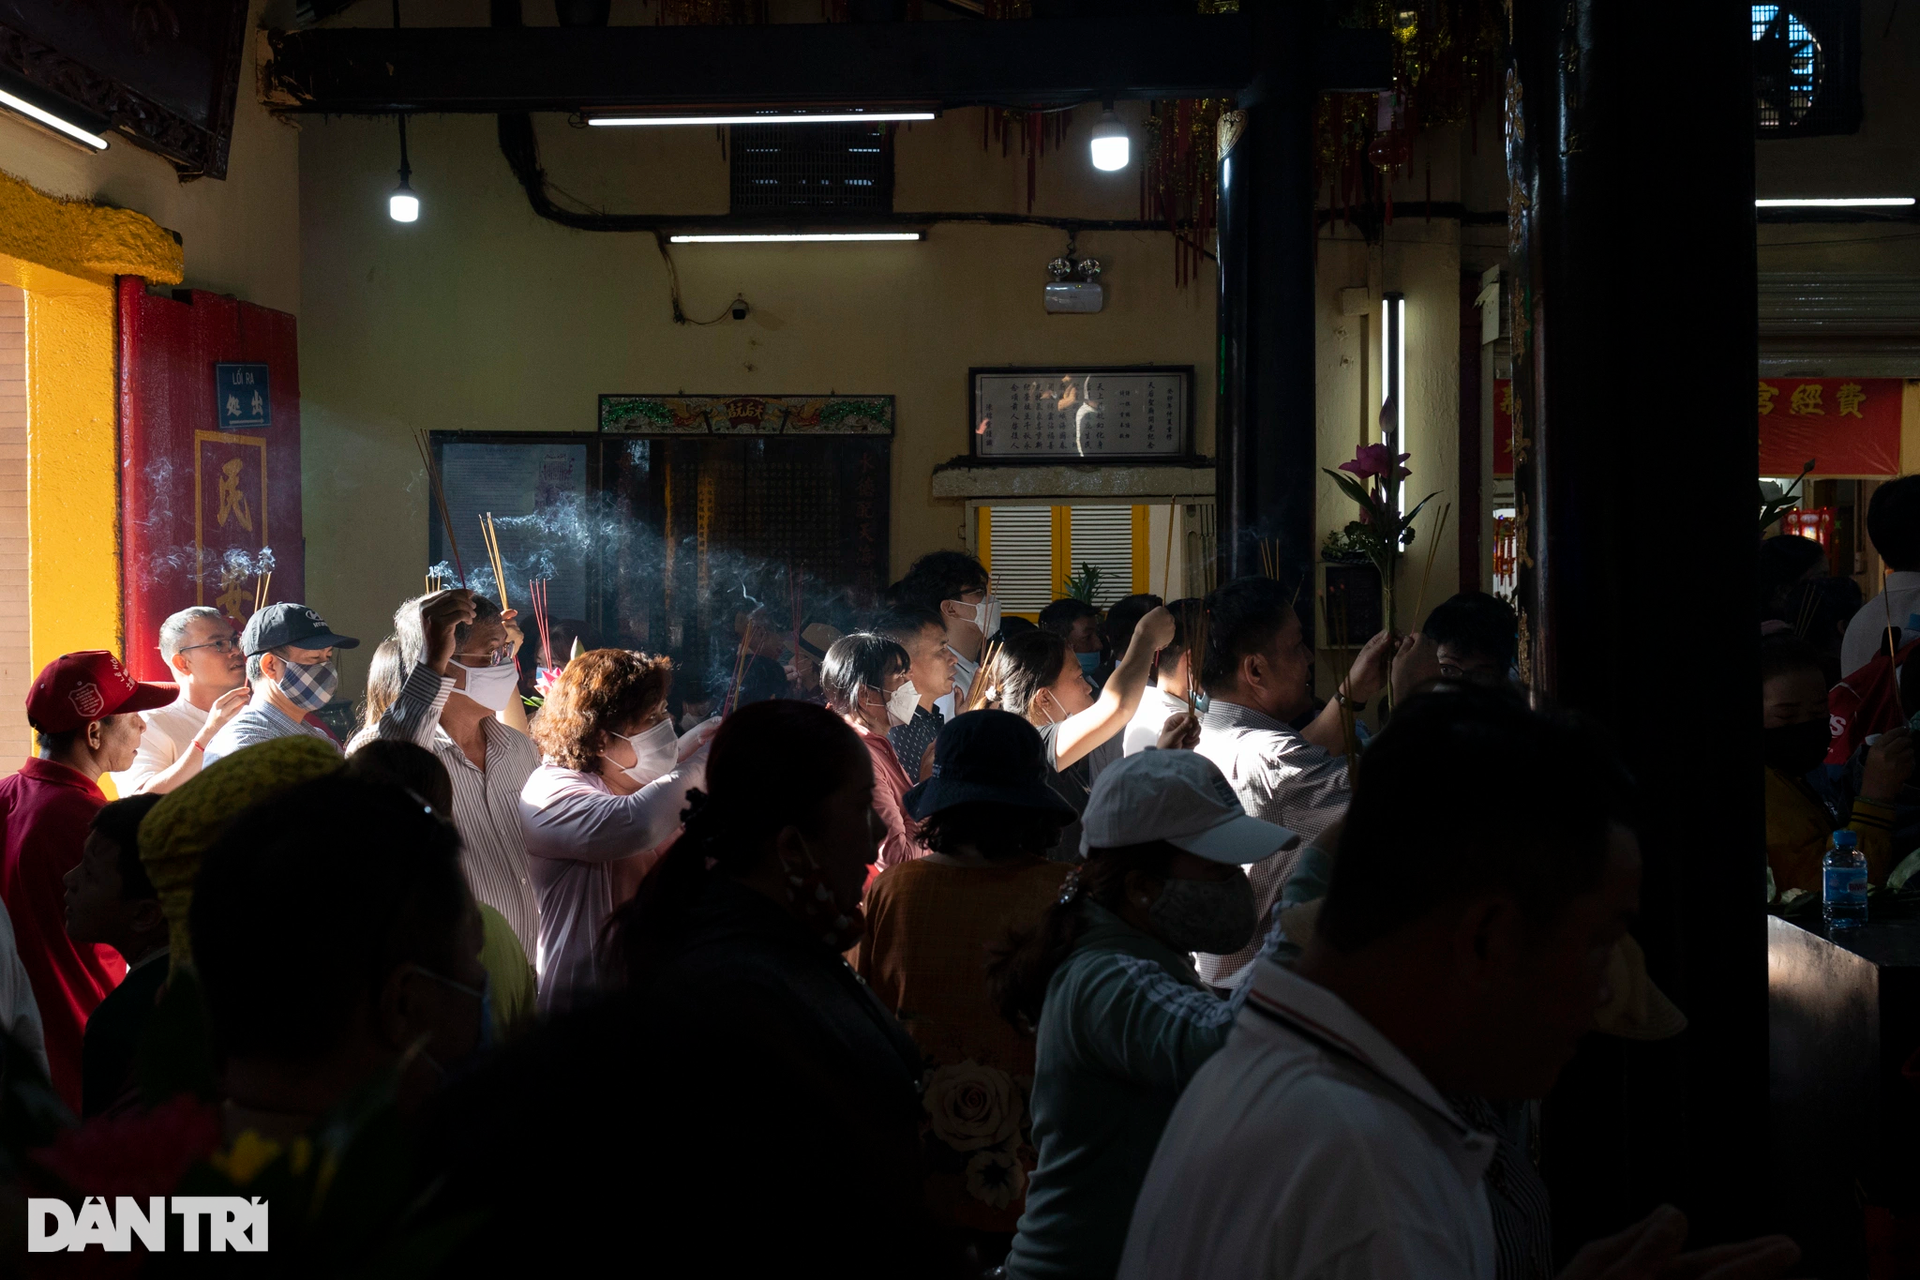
[
  {"x": 776, "y": 115},
  {"x": 402, "y": 204},
  {"x": 1393, "y": 381},
  {"x": 1110, "y": 146},
  {"x": 41, "y": 116},
  {"x": 1837, "y": 202},
  {"x": 798, "y": 237}
]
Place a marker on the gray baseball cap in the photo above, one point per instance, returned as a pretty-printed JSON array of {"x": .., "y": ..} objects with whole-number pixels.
[{"x": 1180, "y": 797}]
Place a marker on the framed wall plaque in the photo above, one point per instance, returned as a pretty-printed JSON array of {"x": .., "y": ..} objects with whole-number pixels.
[{"x": 1124, "y": 413}]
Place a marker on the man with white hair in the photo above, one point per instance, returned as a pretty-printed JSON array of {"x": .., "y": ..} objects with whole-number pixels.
[{"x": 204, "y": 654}]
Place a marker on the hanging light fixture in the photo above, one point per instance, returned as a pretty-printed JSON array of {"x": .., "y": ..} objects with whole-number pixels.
[
  {"x": 402, "y": 204},
  {"x": 1393, "y": 378},
  {"x": 1110, "y": 145}
]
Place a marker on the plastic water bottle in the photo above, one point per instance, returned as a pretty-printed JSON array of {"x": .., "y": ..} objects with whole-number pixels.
[{"x": 1843, "y": 883}]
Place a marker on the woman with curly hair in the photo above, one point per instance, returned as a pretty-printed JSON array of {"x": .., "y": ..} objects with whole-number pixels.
[{"x": 612, "y": 781}]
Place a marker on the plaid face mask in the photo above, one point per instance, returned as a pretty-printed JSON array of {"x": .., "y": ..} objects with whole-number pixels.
[{"x": 309, "y": 687}]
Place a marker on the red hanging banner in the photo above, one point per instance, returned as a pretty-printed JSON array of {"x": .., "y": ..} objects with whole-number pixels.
[
  {"x": 1848, "y": 426},
  {"x": 209, "y": 460}
]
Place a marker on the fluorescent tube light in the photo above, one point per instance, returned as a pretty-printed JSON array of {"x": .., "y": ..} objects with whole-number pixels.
[
  {"x": 52, "y": 121},
  {"x": 771, "y": 117},
  {"x": 797, "y": 237},
  {"x": 1839, "y": 202}
]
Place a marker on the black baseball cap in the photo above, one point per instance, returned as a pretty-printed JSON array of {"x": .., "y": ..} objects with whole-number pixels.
[
  {"x": 991, "y": 757},
  {"x": 293, "y": 624}
]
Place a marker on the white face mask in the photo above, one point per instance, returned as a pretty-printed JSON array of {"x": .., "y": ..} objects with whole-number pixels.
[
  {"x": 491, "y": 687},
  {"x": 901, "y": 703},
  {"x": 986, "y": 614},
  {"x": 655, "y": 752}
]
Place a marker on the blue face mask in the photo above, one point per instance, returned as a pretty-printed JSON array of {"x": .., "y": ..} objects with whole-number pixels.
[
  {"x": 484, "y": 1042},
  {"x": 1089, "y": 662},
  {"x": 1199, "y": 699}
]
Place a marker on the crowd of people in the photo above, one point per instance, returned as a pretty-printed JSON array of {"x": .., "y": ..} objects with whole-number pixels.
[{"x": 1089, "y": 946}]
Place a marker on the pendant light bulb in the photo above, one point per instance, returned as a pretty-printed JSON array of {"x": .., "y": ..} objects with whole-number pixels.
[
  {"x": 402, "y": 204},
  {"x": 1110, "y": 145}
]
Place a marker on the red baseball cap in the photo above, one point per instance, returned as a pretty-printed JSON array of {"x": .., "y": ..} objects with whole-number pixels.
[{"x": 77, "y": 688}]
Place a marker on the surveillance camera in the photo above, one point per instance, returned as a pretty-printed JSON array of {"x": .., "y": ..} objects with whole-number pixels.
[{"x": 739, "y": 308}]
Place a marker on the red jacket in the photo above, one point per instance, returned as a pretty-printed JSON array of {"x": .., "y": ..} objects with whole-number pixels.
[{"x": 44, "y": 812}]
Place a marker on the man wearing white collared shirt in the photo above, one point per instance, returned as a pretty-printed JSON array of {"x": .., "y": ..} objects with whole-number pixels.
[
  {"x": 199, "y": 646},
  {"x": 1256, "y": 671},
  {"x": 1482, "y": 881},
  {"x": 487, "y": 761},
  {"x": 1893, "y": 525}
]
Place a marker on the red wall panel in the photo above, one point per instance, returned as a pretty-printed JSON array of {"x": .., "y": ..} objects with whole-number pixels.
[{"x": 202, "y": 511}]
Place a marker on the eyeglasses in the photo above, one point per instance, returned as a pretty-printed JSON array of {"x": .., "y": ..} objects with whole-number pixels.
[
  {"x": 225, "y": 644},
  {"x": 499, "y": 656}
]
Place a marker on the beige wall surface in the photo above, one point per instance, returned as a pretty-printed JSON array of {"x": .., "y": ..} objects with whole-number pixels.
[
  {"x": 484, "y": 317},
  {"x": 240, "y": 236}
]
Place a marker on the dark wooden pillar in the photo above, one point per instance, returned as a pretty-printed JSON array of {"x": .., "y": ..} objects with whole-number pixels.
[
  {"x": 1641, "y": 532},
  {"x": 1264, "y": 417}
]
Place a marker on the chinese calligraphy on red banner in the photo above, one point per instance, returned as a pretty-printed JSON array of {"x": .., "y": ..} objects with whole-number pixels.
[
  {"x": 1849, "y": 426},
  {"x": 230, "y": 518}
]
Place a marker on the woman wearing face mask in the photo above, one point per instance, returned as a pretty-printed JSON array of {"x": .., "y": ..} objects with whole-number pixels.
[
  {"x": 1805, "y": 802},
  {"x": 1106, "y": 982},
  {"x": 743, "y": 1045},
  {"x": 612, "y": 781},
  {"x": 1035, "y": 677},
  {"x": 866, "y": 683}
]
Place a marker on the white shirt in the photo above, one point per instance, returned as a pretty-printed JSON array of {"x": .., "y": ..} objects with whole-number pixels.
[
  {"x": 168, "y": 736},
  {"x": 1899, "y": 599},
  {"x": 19, "y": 1012},
  {"x": 1282, "y": 778},
  {"x": 1310, "y": 1148},
  {"x": 1149, "y": 718}
]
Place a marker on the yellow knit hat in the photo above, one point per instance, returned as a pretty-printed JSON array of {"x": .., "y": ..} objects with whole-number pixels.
[{"x": 184, "y": 825}]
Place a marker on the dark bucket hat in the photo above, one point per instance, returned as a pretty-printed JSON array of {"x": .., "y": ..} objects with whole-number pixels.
[{"x": 991, "y": 757}]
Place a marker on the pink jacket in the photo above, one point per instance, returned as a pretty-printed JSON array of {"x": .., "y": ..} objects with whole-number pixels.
[{"x": 890, "y": 783}]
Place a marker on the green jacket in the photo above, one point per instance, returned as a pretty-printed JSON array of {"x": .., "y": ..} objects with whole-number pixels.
[{"x": 1124, "y": 1026}]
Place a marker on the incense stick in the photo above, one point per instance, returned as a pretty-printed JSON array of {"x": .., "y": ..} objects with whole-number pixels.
[
  {"x": 423, "y": 442},
  {"x": 1196, "y": 644},
  {"x": 1809, "y": 606},
  {"x": 537, "y": 594},
  {"x": 1166, "y": 575},
  {"x": 1349, "y": 734},
  {"x": 1433, "y": 547},
  {"x": 491, "y": 534},
  {"x": 982, "y": 677},
  {"x": 793, "y": 598},
  {"x": 731, "y": 702}
]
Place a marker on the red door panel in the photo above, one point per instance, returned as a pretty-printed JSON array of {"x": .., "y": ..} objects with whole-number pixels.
[{"x": 202, "y": 511}]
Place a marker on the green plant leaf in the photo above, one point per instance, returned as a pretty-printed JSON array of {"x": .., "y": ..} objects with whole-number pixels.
[{"x": 1355, "y": 490}]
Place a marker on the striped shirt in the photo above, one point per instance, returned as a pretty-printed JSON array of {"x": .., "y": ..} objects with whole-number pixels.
[
  {"x": 486, "y": 805},
  {"x": 1522, "y": 1213},
  {"x": 486, "y": 809}
]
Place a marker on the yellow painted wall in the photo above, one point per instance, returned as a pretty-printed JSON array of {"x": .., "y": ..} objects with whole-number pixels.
[
  {"x": 482, "y": 316},
  {"x": 73, "y": 570},
  {"x": 240, "y": 235}
]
